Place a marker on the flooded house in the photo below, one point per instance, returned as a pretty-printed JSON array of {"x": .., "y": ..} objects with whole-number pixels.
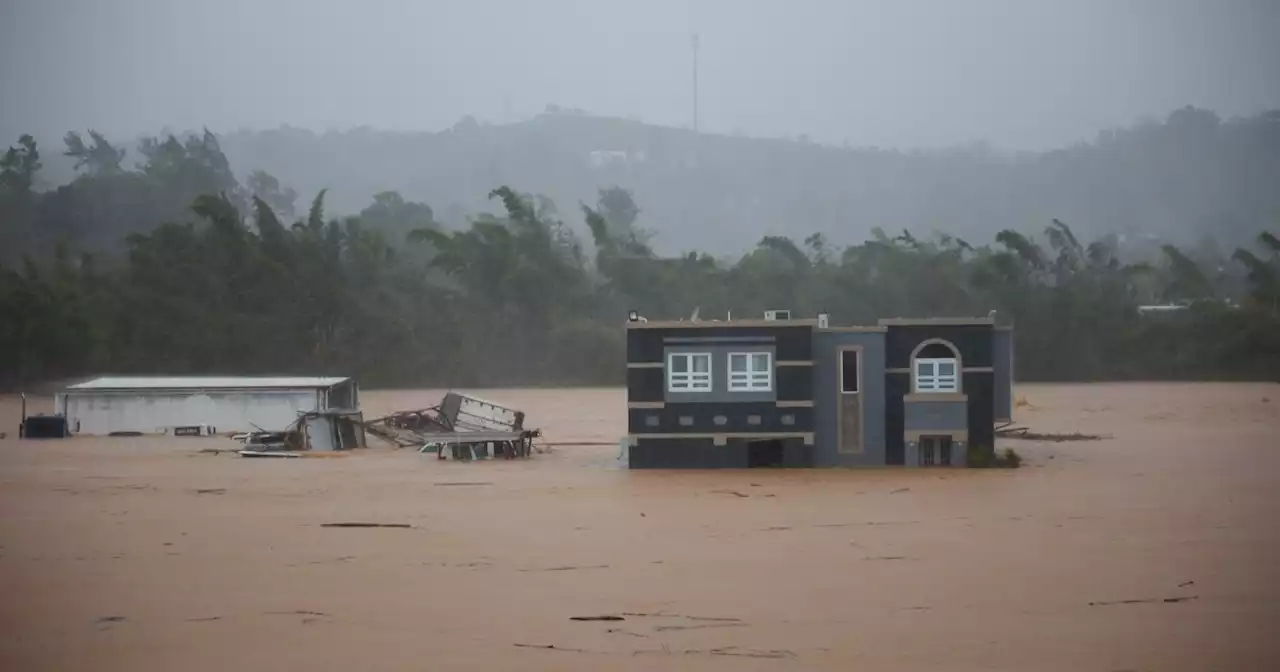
[
  {"x": 200, "y": 404},
  {"x": 781, "y": 392}
]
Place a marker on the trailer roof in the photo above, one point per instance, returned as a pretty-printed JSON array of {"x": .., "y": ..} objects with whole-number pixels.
[{"x": 206, "y": 382}]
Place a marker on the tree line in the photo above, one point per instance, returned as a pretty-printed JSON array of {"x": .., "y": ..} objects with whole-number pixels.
[{"x": 175, "y": 267}]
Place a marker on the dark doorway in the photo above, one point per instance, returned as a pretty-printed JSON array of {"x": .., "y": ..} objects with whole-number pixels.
[
  {"x": 764, "y": 453},
  {"x": 935, "y": 451}
]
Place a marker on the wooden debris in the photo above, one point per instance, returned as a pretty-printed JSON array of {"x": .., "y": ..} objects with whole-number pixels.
[
  {"x": 566, "y": 568},
  {"x": 550, "y": 647},
  {"x": 752, "y": 653},
  {"x": 1025, "y": 434},
  {"x": 267, "y": 453},
  {"x": 700, "y": 626},
  {"x": 606, "y": 617},
  {"x": 1150, "y": 600},
  {"x": 396, "y": 525},
  {"x": 297, "y": 612}
]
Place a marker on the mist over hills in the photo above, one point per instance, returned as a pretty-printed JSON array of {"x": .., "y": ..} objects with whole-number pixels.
[
  {"x": 1188, "y": 177},
  {"x": 1181, "y": 178}
]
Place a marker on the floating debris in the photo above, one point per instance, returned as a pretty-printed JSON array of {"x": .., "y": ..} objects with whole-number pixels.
[
  {"x": 462, "y": 426},
  {"x": 1025, "y": 434},
  {"x": 1150, "y": 600},
  {"x": 395, "y": 525}
]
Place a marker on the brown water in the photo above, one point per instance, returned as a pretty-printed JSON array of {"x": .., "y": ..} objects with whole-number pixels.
[{"x": 112, "y": 559}]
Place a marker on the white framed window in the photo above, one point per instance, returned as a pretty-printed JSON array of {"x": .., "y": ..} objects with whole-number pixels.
[
  {"x": 937, "y": 375},
  {"x": 750, "y": 371},
  {"x": 689, "y": 372}
]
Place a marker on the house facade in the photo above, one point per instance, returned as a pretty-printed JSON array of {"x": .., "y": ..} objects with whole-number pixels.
[{"x": 799, "y": 393}]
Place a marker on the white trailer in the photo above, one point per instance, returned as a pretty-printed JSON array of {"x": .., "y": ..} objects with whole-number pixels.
[{"x": 158, "y": 405}]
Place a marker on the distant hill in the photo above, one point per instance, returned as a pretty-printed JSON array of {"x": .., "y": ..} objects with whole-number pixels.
[{"x": 1180, "y": 179}]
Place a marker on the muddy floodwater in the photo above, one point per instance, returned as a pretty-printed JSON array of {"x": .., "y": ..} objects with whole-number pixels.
[{"x": 1155, "y": 549}]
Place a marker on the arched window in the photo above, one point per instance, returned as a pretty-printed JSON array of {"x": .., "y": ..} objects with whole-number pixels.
[{"x": 935, "y": 367}]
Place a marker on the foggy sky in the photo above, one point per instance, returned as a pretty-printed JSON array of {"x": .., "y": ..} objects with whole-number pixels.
[{"x": 1024, "y": 74}]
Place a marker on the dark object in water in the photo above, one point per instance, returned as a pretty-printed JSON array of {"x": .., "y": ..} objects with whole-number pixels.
[
  {"x": 1011, "y": 432},
  {"x": 267, "y": 453},
  {"x": 1151, "y": 600},
  {"x": 399, "y": 525},
  {"x": 124, "y": 434},
  {"x": 597, "y": 618},
  {"x": 44, "y": 427}
]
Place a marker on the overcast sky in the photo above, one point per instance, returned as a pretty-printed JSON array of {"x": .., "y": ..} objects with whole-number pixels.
[{"x": 1024, "y": 74}]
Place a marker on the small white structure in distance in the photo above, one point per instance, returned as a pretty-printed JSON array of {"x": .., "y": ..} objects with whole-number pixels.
[{"x": 156, "y": 405}]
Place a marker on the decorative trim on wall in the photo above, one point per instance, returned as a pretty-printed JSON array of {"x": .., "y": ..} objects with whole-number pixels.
[
  {"x": 936, "y": 321},
  {"x": 714, "y": 436},
  {"x": 843, "y": 398},
  {"x": 686, "y": 340},
  {"x": 794, "y": 362},
  {"x": 935, "y": 397},
  {"x": 644, "y": 365},
  {"x": 955, "y": 434},
  {"x": 795, "y": 404},
  {"x": 647, "y": 404}
]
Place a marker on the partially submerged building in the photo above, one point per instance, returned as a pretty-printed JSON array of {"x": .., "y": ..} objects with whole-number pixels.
[
  {"x": 157, "y": 405},
  {"x": 800, "y": 393}
]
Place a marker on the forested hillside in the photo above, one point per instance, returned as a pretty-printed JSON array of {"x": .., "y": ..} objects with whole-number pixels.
[
  {"x": 1178, "y": 180},
  {"x": 177, "y": 267}
]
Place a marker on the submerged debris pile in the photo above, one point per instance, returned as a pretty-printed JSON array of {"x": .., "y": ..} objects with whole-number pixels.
[
  {"x": 1024, "y": 433},
  {"x": 321, "y": 431},
  {"x": 461, "y": 426}
]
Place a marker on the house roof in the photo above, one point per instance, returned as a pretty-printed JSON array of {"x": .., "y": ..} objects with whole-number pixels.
[
  {"x": 206, "y": 382},
  {"x": 715, "y": 324}
]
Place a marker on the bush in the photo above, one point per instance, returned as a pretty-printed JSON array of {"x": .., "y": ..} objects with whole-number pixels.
[
  {"x": 984, "y": 457},
  {"x": 1008, "y": 459}
]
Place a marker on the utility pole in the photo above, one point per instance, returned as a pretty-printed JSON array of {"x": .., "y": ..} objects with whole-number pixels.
[{"x": 695, "y": 82}]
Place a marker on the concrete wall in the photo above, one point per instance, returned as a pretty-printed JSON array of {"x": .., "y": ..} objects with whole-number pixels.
[
  {"x": 1002, "y": 366},
  {"x": 926, "y": 414},
  {"x": 826, "y": 376},
  {"x": 100, "y": 413}
]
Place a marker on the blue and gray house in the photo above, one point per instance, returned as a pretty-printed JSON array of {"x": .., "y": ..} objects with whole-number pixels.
[{"x": 801, "y": 393}]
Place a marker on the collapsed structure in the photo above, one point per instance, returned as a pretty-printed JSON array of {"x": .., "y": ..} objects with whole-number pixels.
[
  {"x": 466, "y": 426},
  {"x": 801, "y": 393},
  {"x": 321, "y": 431}
]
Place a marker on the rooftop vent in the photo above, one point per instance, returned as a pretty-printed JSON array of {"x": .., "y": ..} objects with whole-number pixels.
[{"x": 776, "y": 315}]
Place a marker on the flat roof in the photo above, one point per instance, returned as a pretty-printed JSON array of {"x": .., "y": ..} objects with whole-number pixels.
[
  {"x": 936, "y": 321},
  {"x": 879, "y": 326},
  {"x": 712, "y": 324},
  {"x": 206, "y": 382}
]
